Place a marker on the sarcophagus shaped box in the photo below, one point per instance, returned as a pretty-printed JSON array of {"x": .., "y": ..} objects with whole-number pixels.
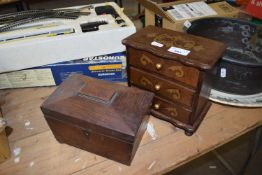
[{"x": 97, "y": 116}]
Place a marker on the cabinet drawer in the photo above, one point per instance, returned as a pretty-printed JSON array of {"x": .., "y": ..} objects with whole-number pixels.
[
  {"x": 161, "y": 87},
  {"x": 171, "y": 110},
  {"x": 168, "y": 68}
]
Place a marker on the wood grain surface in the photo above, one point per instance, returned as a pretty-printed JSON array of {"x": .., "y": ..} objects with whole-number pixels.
[
  {"x": 162, "y": 148},
  {"x": 203, "y": 53},
  {"x": 99, "y": 106},
  {"x": 162, "y": 87},
  {"x": 169, "y": 68}
]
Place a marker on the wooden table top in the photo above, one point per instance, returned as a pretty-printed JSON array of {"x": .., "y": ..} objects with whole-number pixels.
[{"x": 162, "y": 148}]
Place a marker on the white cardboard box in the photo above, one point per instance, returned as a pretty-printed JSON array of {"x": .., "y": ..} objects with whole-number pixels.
[
  {"x": 110, "y": 67},
  {"x": 27, "y": 52}
]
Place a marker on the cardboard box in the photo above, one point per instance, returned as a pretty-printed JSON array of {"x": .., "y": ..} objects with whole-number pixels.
[
  {"x": 107, "y": 67},
  {"x": 56, "y": 40},
  {"x": 161, "y": 15}
]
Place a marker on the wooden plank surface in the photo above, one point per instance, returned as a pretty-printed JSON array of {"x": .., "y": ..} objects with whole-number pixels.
[{"x": 160, "y": 151}]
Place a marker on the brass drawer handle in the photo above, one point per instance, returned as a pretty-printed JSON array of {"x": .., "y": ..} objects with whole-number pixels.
[
  {"x": 158, "y": 66},
  {"x": 157, "y": 87},
  {"x": 156, "y": 106}
]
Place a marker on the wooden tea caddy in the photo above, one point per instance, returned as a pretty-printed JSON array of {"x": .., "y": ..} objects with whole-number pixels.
[{"x": 97, "y": 116}]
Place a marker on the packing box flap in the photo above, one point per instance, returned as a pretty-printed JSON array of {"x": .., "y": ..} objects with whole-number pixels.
[{"x": 153, "y": 6}]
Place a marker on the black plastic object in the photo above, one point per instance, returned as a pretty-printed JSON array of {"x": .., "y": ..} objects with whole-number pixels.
[
  {"x": 108, "y": 9},
  {"x": 92, "y": 26},
  {"x": 240, "y": 69}
]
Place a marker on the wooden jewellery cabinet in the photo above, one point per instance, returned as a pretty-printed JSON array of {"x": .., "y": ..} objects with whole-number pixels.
[{"x": 173, "y": 65}]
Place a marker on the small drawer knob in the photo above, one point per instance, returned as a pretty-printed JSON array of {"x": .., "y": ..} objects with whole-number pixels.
[
  {"x": 157, "y": 87},
  {"x": 157, "y": 106},
  {"x": 158, "y": 66},
  {"x": 86, "y": 133}
]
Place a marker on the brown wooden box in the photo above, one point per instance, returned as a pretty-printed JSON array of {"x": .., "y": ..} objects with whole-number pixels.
[
  {"x": 173, "y": 66},
  {"x": 103, "y": 118}
]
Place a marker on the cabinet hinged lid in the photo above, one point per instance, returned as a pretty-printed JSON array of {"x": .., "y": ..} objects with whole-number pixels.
[
  {"x": 188, "y": 49},
  {"x": 97, "y": 106}
]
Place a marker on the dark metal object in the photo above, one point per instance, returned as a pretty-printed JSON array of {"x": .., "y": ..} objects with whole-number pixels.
[
  {"x": 239, "y": 71},
  {"x": 12, "y": 20}
]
